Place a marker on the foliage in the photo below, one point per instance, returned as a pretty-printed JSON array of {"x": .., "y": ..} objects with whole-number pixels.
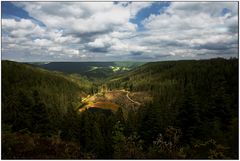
[
  {"x": 209, "y": 149},
  {"x": 33, "y": 146},
  {"x": 193, "y": 113},
  {"x": 126, "y": 147},
  {"x": 198, "y": 97},
  {"x": 33, "y": 98},
  {"x": 167, "y": 146}
]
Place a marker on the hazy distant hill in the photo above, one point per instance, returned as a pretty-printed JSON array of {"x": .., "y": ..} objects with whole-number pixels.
[{"x": 90, "y": 69}]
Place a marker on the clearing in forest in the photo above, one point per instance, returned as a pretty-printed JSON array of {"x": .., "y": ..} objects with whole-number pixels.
[{"x": 111, "y": 100}]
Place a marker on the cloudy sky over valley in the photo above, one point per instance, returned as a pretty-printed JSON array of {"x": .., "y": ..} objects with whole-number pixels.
[{"x": 118, "y": 31}]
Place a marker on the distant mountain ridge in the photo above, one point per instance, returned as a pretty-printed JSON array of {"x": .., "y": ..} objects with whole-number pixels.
[{"x": 90, "y": 69}]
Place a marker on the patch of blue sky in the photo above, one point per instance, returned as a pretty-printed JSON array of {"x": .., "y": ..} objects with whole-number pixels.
[
  {"x": 155, "y": 9},
  {"x": 225, "y": 11},
  {"x": 9, "y": 10}
]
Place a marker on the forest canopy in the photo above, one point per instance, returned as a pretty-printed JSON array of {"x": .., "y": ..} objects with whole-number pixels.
[{"x": 192, "y": 113}]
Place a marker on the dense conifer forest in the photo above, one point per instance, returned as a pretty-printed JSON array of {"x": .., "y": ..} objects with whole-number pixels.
[{"x": 191, "y": 113}]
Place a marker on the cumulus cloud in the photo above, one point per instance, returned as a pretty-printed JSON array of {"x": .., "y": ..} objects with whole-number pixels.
[
  {"x": 28, "y": 39},
  {"x": 103, "y": 31},
  {"x": 194, "y": 27},
  {"x": 80, "y": 17}
]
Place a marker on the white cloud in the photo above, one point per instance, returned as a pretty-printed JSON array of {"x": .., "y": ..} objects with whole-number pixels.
[
  {"x": 194, "y": 8},
  {"x": 100, "y": 42},
  {"x": 21, "y": 28},
  {"x": 24, "y": 37},
  {"x": 98, "y": 30},
  {"x": 193, "y": 27},
  {"x": 42, "y": 42},
  {"x": 23, "y": 23},
  {"x": 80, "y": 17},
  {"x": 135, "y": 7}
]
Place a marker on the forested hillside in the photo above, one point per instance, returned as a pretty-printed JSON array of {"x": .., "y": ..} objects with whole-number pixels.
[
  {"x": 200, "y": 98},
  {"x": 193, "y": 113},
  {"x": 34, "y": 92}
]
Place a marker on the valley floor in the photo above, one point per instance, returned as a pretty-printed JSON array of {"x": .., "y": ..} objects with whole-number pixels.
[{"x": 110, "y": 100}]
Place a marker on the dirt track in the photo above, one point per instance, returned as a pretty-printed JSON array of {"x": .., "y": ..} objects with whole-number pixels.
[
  {"x": 131, "y": 99},
  {"x": 117, "y": 97}
]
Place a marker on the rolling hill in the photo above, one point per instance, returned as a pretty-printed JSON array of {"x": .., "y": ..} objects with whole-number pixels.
[
  {"x": 25, "y": 87},
  {"x": 185, "y": 110},
  {"x": 198, "y": 96},
  {"x": 93, "y": 70}
]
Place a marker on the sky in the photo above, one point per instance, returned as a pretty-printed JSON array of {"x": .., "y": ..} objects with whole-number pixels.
[{"x": 118, "y": 31}]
